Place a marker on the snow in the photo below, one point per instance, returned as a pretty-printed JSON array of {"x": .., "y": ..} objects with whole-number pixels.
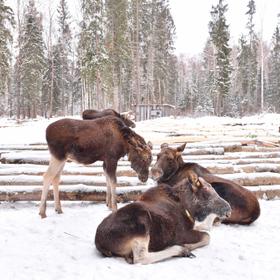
[{"x": 62, "y": 247}]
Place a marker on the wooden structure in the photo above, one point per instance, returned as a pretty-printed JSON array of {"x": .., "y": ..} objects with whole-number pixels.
[{"x": 151, "y": 111}]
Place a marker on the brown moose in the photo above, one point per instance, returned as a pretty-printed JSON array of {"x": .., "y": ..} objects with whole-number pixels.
[
  {"x": 87, "y": 141},
  {"x": 95, "y": 114},
  {"x": 171, "y": 169},
  {"x": 160, "y": 225}
]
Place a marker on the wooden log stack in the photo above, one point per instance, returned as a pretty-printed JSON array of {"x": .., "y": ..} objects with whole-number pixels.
[{"x": 254, "y": 164}]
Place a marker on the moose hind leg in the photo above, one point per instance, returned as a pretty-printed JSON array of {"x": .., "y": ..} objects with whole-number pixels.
[
  {"x": 111, "y": 180},
  {"x": 55, "y": 183},
  {"x": 142, "y": 255},
  {"x": 54, "y": 166}
]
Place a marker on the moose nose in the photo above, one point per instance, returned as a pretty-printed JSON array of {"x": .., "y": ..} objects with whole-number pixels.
[
  {"x": 227, "y": 211},
  {"x": 143, "y": 177},
  {"x": 156, "y": 173}
]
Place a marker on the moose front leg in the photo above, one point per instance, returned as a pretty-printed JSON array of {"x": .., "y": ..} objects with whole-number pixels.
[
  {"x": 111, "y": 180},
  {"x": 200, "y": 239},
  {"x": 108, "y": 192}
]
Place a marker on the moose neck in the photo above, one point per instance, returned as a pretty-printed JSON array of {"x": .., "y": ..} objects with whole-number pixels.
[
  {"x": 182, "y": 193},
  {"x": 133, "y": 157},
  {"x": 173, "y": 177}
]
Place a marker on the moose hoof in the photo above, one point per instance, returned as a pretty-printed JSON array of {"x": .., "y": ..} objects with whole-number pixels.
[
  {"x": 187, "y": 253},
  {"x": 43, "y": 215},
  {"x": 58, "y": 211},
  {"x": 129, "y": 259},
  {"x": 190, "y": 255}
]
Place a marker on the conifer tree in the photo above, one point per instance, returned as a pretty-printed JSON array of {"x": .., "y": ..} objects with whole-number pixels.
[
  {"x": 252, "y": 62},
  {"x": 273, "y": 97},
  {"x": 6, "y": 23},
  {"x": 64, "y": 51},
  {"x": 117, "y": 40},
  {"x": 92, "y": 53},
  {"x": 219, "y": 34},
  {"x": 32, "y": 60}
]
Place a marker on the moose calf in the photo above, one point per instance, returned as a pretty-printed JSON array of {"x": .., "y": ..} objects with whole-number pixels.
[
  {"x": 160, "y": 225},
  {"x": 87, "y": 141},
  {"x": 171, "y": 169},
  {"x": 90, "y": 114}
]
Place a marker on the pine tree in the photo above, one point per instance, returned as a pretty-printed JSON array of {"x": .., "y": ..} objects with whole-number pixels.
[
  {"x": 65, "y": 50},
  {"x": 32, "y": 60},
  {"x": 243, "y": 74},
  {"x": 274, "y": 71},
  {"x": 208, "y": 79},
  {"x": 219, "y": 35},
  {"x": 117, "y": 40},
  {"x": 252, "y": 62},
  {"x": 6, "y": 22},
  {"x": 92, "y": 53},
  {"x": 164, "y": 44}
]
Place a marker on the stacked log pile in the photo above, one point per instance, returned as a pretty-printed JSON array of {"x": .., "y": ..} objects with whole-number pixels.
[{"x": 251, "y": 163}]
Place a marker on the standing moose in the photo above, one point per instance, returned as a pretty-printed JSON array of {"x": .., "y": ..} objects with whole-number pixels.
[{"x": 87, "y": 141}]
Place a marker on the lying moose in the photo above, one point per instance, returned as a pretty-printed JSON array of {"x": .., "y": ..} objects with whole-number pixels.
[
  {"x": 95, "y": 114},
  {"x": 160, "y": 225},
  {"x": 171, "y": 169},
  {"x": 87, "y": 141}
]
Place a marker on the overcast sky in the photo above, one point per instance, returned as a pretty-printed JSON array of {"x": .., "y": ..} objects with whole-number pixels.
[{"x": 191, "y": 18}]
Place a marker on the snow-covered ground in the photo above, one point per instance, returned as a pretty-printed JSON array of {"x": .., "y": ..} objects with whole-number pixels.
[
  {"x": 158, "y": 130},
  {"x": 62, "y": 247}
]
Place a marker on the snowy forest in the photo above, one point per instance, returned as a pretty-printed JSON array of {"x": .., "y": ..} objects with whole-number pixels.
[{"x": 121, "y": 54}]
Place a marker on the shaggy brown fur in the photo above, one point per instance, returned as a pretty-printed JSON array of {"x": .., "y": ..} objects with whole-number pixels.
[
  {"x": 87, "y": 141},
  {"x": 157, "y": 226},
  {"x": 171, "y": 169},
  {"x": 95, "y": 114}
]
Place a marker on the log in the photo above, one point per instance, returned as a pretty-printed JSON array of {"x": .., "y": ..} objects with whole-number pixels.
[
  {"x": 72, "y": 194},
  {"x": 39, "y": 170},
  {"x": 24, "y": 147},
  {"x": 205, "y": 151},
  {"x": 260, "y": 143},
  {"x": 259, "y": 149},
  {"x": 254, "y": 179},
  {"x": 266, "y": 192},
  {"x": 126, "y": 171},
  {"x": 29, "y": 180},
  {"x": 214, "y": 154},
  {"x": 100, "y": 196}
]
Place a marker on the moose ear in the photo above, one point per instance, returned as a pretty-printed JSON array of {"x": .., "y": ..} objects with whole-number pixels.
[
  {"x": 204, "y": 183},
  {"x": 164, "y": 145},
  {"x": 131, "y": 142},
  {"x": 194, "y": 180},
  {"x": 150, "y": 145},
  {"x": 181, "y": 148}
]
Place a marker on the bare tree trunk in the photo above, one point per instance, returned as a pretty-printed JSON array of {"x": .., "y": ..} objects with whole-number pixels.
[
  {"x": 83, "y": 94},
  {"x": 116, "y": 104},
  {"x": 63, "y": 90},
  {"x": 137, "y": 55},
  {"x": 18, "y": 78},
  {"x": 50, "y": 55},
  {"x": 159, "y": 91}
]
